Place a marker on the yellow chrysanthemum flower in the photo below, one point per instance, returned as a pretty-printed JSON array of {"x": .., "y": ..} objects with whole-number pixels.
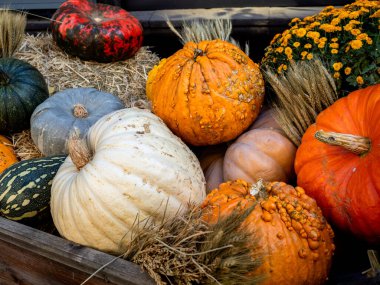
[
  {"x": 308, "y": 46},
  {"x": 337, "y": 66},
  {"x": 354, "y": 15},
  {"x": 356, "y": 44},
  {"x": 336, "y": 74},
  {"x": 309, "y": 56},
  {"x": 301, "y": 32},
  {"x": 279, "y": 49},
  {"x": 355, "y": 32},
  {"x": 334, "y": 40},
  {"x": 347, "y": 70},
  {"x": 359, "y": 80},
  {"x": 368, "y": 40},
  {"x": 321, "y": 44},
  {"x": 288, "y": 51},
  {"x": 334, "y": 51},
  {"x": 362, "y": 36},
  {"x": 296, "y": 44},
  {"x": 334, "y": 45}
]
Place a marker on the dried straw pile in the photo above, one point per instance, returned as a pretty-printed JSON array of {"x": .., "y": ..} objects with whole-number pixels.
[{"x": 125, "y": 79}]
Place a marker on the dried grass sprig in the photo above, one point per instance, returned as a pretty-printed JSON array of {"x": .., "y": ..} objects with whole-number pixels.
[
  {"x": 12, "y": 31},
  {"x": 206, "y": 30},
  {"x": 301, "y": 94},
  {"x": 186, "y": 250}
]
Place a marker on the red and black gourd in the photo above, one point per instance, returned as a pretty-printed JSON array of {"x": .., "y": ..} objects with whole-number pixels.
[
  {"x": 22, "y": 89},
  {"x": 99, "y": 32},
  {"x": 25, "y": 187}
]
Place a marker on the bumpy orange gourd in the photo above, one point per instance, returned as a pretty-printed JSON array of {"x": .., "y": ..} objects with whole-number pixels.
[
  {"x": 263, "y": 151},
  {"x": 296, "y": 243},
  {"x": 338, "y": 163},
  {"x": 7, "y": 154},
  {"x": 207, "y": 93}
]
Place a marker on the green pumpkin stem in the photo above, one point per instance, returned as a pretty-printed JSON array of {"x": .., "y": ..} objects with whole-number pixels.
[
  {"x": 4, "y": 79},
  {"x": 356, "y": 144},
  {"x": 79, "y": 152}
]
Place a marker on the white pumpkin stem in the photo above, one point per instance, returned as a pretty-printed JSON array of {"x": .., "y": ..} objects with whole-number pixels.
[
  {"x": 80, "y": 111},
  {"x": 356, "y": 144},
  {"x": 79, "y": 152}
]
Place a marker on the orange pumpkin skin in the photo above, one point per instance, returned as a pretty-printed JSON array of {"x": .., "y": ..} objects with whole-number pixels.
[
  {"x": 296, "y": 243},
  {"x": 207, "y": 93},
  {"x": 7, "y": 154},
  {"x": 345, "y": 185},
  {"x": 263, "y": 151}
]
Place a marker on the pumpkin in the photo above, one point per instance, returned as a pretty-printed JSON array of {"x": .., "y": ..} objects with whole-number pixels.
[
  {"x": 25, "y": 187},
  {"x": 138, "y": 171},
  {"x": 207, "y": 92},
  {"x": 263, "y": 151},
  {"x": 337, "y": 163},
  {"x": 7, "y": 154},
  {"x": 22, "y": 89},
  {"x": 75, "y": 108},
  {"x": 288, "y": 223},
  {"x": 99, "y": 32}
]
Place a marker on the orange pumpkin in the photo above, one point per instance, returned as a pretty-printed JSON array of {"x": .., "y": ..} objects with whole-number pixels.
[
  {"x": 338, "y": 163},
  {"x": 7, "y": 154},
  {"x": 263, "y": 152},
  {"x": 296, "y": 243},
  {"x": 207, "y": 92}
]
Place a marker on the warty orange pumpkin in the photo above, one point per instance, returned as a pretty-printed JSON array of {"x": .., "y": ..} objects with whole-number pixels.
[
  {"x": 292, "y": 231},
  {"x": 207, "y": 93},
  {"x": 338, "y": 163}
]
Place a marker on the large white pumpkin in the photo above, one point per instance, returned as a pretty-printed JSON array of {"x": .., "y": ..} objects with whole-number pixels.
[{"x": 139, "y": 170}]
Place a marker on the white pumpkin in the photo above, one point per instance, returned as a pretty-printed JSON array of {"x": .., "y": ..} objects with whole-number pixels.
[{"x": 139, "y": 169}]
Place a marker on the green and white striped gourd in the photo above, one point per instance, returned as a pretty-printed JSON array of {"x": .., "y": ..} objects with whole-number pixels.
[{"x": 25, "y": 187}]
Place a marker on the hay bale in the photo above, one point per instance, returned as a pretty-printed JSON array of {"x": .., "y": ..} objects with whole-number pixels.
[{"x": 125, "y": 79}]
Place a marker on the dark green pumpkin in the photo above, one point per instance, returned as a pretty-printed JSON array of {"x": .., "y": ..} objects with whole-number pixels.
[
  {"x": 25, "y": 187},
  {"x": 22, "y": 89}
]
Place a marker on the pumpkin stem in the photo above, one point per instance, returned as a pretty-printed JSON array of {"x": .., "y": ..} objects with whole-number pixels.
[
  {"x": 80, "y": 111},
  {"x": 79, "y": 152},
  {"x": 356, "y": 144},
  {"x": 258, "y": 189},
  {"x": 4, "y": 79},
  {"x": 198, "y": 52}
]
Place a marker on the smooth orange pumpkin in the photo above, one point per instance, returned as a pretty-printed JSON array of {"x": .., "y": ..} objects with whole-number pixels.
[
  {"x": 338, "y": 163},
  {"x": 296, "y": 242},
  {"x": 7, "y": 154},
  {"x": 263, "y": 152},
  {"x": 207, "y": 92}
]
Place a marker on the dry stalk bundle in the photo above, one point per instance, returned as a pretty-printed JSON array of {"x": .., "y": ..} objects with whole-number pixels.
[
  {"x": 301, "y": 94},
  {"x": 188, "y": 251}
]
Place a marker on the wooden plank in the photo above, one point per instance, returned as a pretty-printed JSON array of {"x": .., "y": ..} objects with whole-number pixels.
[{"x": 30, "y": 256}]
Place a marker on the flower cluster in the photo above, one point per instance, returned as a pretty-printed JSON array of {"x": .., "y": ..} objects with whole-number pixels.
[{"x": 346, "y": 39}]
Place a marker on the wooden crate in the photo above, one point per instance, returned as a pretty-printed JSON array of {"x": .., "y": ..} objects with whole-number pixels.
[{"x": 32, "y": 257}]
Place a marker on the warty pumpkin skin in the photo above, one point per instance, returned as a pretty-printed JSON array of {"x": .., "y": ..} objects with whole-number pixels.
[
  {"x": 99, "y": 32},
  {"x": 7, "y": 154},
  {"x": 263, "y": 151},
  {"x": 139, "y": 170},
  {"x": 207, "y": 93},
  {"x": 345, "y": 178},
  {"x": 22, "y": 89},
  {"x": 73, "y": 108},
  {"x": 296, "y": 242}
]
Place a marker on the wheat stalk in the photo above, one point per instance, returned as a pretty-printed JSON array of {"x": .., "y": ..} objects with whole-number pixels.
[
  {"x": 12, "y": 31},
  {"x": 301, "y": 93}
]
